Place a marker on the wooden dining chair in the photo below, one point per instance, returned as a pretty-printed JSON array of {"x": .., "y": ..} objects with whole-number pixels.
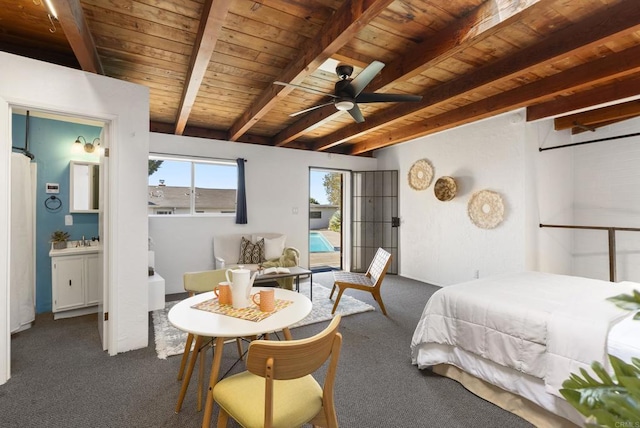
[
  {"x": 278, "y": 389},
  {"x": 195, "y": 283},
  {"x": 371, "y": 281}
]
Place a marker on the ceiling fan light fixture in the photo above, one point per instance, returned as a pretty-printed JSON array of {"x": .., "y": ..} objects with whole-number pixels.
[{"x": 344, "y": 104}]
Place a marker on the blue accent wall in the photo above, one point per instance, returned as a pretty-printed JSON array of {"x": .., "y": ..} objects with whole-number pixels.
[{"x": 52, "y": 143}]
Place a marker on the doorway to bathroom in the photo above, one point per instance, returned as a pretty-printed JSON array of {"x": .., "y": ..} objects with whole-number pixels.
[{"x": 42, "y": 202}]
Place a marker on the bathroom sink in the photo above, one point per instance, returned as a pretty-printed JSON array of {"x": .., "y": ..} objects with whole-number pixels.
[{"x": 74, "y": 247}]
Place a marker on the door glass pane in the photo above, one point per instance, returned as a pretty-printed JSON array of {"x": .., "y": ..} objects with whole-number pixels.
[{"x": 372, "y": 216}]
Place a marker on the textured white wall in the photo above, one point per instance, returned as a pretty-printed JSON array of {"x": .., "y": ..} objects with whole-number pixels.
[
  {"x": 38, "y": 85},
  {"x": 590, "y": 185},
  {"x": 607, "y": 193},
  {"x": 549, "y": 198},
  {"x": 277, "y": 183},
  {"x": 439, "y": 244}
]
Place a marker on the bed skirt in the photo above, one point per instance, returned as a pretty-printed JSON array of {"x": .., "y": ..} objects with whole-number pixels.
[{"x": 508, "y": 401}]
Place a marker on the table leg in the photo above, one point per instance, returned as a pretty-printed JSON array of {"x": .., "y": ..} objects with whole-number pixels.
[
  {"x": 185, "y": 380},
  {"x": 287, "y": 333},
  {"x": 203, "y": 354},
  {"x": 215, "y": 372}
]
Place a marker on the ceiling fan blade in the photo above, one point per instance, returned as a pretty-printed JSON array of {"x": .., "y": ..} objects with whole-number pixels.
[
  {"x": 366, "y": 97},
  {"x": 366, "y": 76},
  {"x": 304, "y": 88},
  {"x": 356, "y": 114},
  {"x": 310, "y": 109}
]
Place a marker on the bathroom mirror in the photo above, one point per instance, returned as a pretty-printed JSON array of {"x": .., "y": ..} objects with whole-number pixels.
[{"x": 85, "y": 180}]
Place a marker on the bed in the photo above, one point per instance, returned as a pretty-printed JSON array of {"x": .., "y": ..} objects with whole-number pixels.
[{"x": 514, "y": 338}]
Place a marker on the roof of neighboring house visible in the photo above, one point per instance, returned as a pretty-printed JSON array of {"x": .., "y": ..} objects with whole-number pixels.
[
  {"x": 324, "y": 206},
  {"x": 178, "y": 197}
]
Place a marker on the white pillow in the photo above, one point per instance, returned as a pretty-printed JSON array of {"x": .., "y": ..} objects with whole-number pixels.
[{"x": 273, "y": 247}]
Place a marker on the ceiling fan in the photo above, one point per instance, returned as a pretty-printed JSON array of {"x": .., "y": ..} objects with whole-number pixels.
[{"x": 348, "y": 92}]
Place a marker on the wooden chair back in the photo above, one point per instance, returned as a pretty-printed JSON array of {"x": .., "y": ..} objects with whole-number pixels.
[
  {"x": 379, "y": 266},
  {"x": 294, "y": 359}
]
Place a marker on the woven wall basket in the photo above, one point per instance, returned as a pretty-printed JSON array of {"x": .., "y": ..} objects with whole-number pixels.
[
  {"x": 445, "y": 188},
  {"x": 420, "y": 175},
  {"x": 486, "y": 209}
]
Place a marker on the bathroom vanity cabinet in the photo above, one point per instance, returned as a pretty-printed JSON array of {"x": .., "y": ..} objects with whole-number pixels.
[{"x": 75, "y": 281}]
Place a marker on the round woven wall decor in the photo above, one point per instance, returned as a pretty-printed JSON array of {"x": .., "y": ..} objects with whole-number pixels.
[
  {"x": 420, "y": 175},
  {"x": 445, "y": 188},
  {"x": 486, "y": 209}
]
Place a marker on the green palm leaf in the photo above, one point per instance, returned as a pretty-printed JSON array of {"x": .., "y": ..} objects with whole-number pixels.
[
  {"x": 613, "y": 401},
  {"x": 627, "y": 301}
]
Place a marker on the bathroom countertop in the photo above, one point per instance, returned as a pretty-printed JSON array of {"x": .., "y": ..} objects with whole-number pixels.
[{"x": 74, "y": 248}]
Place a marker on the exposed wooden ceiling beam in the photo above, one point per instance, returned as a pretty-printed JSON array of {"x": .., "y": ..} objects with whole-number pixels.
[
  {"x": 580, "y": 129},
  {"x": 74, "y": 25},
  {"x": 610, "y": 67},
  {"x": 482, "y": 22},
  {"x": 616, "y": 90},
  {"x": 595, "y": 31},
  {"x": 308, "y": 122},
  {"x": 200, "y": 132},
  {"x": 594, "y": 117},
  {"x": 28, "y": 48},
  {"x": 340, "y": 29},
  {"x": 203, "y": 47}
]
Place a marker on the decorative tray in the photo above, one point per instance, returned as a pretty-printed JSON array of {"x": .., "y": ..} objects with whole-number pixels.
[{"x": 250, "y": 313}]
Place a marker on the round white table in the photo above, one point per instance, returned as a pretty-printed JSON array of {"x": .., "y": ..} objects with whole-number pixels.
[{"x": 203, "y": 323}]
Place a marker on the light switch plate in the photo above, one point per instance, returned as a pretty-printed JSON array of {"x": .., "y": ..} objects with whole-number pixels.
[{"x": 68, "y": 220}]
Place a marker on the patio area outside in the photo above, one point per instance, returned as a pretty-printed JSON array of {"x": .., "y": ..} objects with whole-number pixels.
[{"x": 329, "y": 259}]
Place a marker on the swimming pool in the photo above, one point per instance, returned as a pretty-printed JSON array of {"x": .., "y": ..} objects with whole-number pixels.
[{"x": 319, "y": 244}]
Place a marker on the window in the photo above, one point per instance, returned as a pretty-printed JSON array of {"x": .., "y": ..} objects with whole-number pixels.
[
  {"x": 315, "y": 214},
  {"x": 180, "y": 186}
]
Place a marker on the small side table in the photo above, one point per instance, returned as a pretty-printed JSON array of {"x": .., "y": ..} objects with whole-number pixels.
[
  {"x": 294, "y": 272},
  {"x": 156, "y": 292}
]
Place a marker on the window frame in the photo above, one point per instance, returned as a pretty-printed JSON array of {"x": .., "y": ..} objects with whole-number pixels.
[{"x": 193, "y": 160}]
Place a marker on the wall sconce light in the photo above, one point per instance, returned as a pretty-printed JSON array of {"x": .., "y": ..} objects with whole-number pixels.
[{"x": 88, "y": 147}]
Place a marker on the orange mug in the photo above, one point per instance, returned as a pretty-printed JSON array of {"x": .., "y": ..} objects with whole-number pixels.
[
  {"x": 266, "y": 300},
  {"x": 223, "y": 292}
]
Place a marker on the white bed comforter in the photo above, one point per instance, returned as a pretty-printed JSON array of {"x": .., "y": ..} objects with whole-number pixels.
[{"x": 541, "y": 324}]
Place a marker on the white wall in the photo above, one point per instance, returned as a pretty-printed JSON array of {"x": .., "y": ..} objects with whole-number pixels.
[
  {"x": 277, "y": 184},
  {"x": 438, "y": 242},
  {"x": 589, "y": 185},
  {"x": 607, "y": 193},
  {"x": 42, "y": 86},
  {"x": 549, "y": 199},
  {"x": 326, "y": 212}
]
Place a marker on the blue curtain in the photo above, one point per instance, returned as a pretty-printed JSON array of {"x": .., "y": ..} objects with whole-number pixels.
[{"x": 241, "y": 198}]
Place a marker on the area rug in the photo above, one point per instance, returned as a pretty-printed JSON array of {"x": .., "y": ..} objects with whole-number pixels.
[{"x": 170, "y": 341}]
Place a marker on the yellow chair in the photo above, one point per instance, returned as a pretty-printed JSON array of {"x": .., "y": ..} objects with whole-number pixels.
[
  {"x": 195, "y": 283},
  {"x": 278, "y": 390},
  {"x": 371, "y": 281}
]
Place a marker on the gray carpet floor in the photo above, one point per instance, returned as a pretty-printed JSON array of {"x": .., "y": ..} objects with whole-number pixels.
[{"x": 61, "y": 378}]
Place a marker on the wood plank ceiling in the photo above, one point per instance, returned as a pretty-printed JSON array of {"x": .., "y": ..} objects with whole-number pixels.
[{"x": 210, "y": 64}]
